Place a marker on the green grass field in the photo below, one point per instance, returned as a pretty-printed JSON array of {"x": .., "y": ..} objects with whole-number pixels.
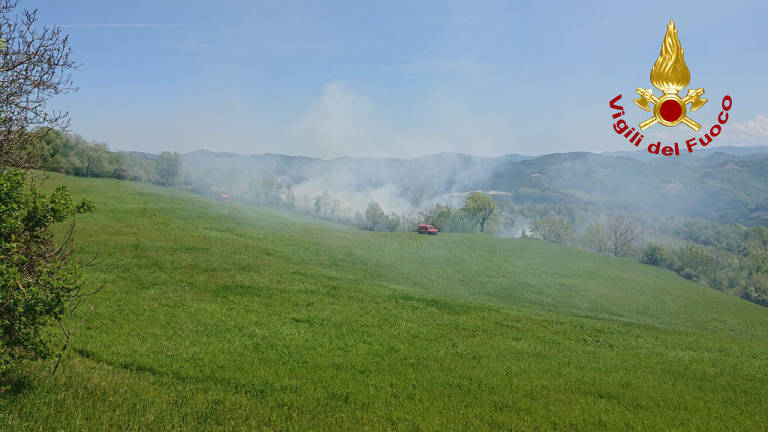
[{"x": 216, "y": 316}]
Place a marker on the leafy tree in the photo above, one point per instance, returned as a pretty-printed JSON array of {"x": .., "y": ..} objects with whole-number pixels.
[
  {"x": 318, "y": 204},
  {"x": 440, "y": 216},
  {"x": 39, "y": 283},
  {"x": 596, "y": 238},
  {"x": 480, "y": 207},
  {"x": 271, "y": 190},
  {"x": 556, "y": 230},
  {"x": 392, "y": 222},
  {"x": 697, "y": 262},
  {"x": 322, "y": 204},
  {"x": 445, "y": 218},
  {"x": 655, "y": 255},
  {"x": 53, "y": 150},
  {"x": 756, "y": 289},
  {"x": 34, "y": 66},
  {"x": 708, "y": 233},
  {"x": 359, "y": 220},
  {"x": 290, "y": 198},
  {"x": 374, "y": 215},
  {"x": 168, "y": 166},
  {"x": 530, "y": 210},
  {"x": 334, "y": 207}
]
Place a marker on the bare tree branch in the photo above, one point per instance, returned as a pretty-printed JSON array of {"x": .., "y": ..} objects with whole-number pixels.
[
  {"x": 621, "y": 235},
  {"x": 35, "y": 65}
]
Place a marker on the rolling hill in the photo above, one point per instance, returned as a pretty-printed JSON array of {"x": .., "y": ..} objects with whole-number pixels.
[{"x": 226, "y": 317}]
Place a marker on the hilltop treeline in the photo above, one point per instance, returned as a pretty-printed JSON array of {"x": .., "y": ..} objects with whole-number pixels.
[{"x": 53, "y": 150}]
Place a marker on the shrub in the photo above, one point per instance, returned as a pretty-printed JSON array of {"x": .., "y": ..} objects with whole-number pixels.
[
  {"x": 39, "y": 282},
  {"x": 655, "y": 255}
]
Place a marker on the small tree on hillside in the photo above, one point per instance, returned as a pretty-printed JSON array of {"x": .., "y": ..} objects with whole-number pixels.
[
  {"x": 596, "y": 239},
  {"x": 318, "y": 205},
  {"x": 271, "y": 190},
  {"x": 700, "y": 263},
  {"x": 39, "y": 283},
  {"x": 392, "y": 222},
  {"x": 322, "y": 204},
  {"x": 480, "y": 207},
  {"x": 35, "y": 64},
  {"x": 168, "y": 167},
  {"x": 334, "y": 207},
  {"x": 556, "y": 230},
  {"x": 621, "y": 236},
  {"x": 374, "y": 215},
  {"x": 655, "y": 255},
  {"x": 439, "y": 216}
]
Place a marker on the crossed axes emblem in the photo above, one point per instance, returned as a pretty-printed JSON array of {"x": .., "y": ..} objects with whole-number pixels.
[{"x": 669, "y": 109}]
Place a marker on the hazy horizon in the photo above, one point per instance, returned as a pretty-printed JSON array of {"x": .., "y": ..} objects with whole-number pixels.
[
  {"x": 701, "y": 153},
  {"x": 395, "y": 80}
]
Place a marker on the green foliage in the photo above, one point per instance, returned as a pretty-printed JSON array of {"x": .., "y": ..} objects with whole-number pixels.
[
  {"x": 37, "y": 279},
  {"x": 375, "y": 219},
  {"x": 440, "y": 216},
  {"x": 447, "y": 219},
  {"x": 56, "y": 151},
  {"x": 168, "y": 166},
  {"x": 392, "y": 222},
  {"x": 480, "y": 208},
  {"x": 708, "y": 233},
  {"x": 556, "y": 230},
  {"x": 227, "y": 317},
  {"x": 655, "y": 255},
  {"x": 270, "y": 190},
  {"x": 324, "y": 205},
  {"x": 596, "y": 239},
  {"x": 696, "y": 262},
  {"x": 755, "y": 288},
  {"x": 532, "y": 210},
  {"x": 374, "y": 215},
  {"x": 729, "y": 258}
]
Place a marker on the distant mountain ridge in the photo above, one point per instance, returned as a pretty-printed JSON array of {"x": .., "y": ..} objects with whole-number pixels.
[
  {"x": 707, "y": 157},
  {"x": 730, "y": 185}
]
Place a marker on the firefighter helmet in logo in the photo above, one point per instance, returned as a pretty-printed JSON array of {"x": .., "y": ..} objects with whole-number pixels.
[{"x": 670, "y": 75}]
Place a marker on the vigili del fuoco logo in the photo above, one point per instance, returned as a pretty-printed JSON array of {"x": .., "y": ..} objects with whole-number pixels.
[{"x": 670, "y": 75}]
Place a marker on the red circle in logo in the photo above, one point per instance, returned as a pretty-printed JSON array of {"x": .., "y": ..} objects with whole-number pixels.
[{"x": 670, "y": 110}]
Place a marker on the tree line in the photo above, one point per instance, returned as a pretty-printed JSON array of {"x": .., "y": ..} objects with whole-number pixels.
[
  {"x": 58, "y": 151},
  {"x": 731, "y": 258},
  {"x": 478, "y": 214}
]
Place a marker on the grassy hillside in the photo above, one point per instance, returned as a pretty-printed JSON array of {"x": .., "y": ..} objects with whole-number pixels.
[{"x": 216, "y": 316}]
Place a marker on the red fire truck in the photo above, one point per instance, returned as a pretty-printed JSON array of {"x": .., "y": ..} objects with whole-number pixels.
[{"x": 427, "y": 229}]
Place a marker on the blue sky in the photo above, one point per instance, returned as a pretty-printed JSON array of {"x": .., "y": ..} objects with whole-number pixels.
[{"x": 394, "y": 78}]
